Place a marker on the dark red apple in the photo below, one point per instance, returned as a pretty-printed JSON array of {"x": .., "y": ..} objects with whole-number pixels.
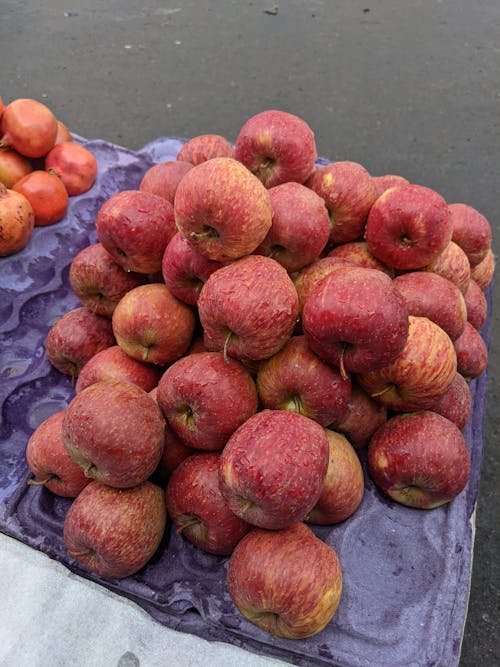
[
  {"x": 277, "y": 147},
  {"x": 383, "y": 183},
  {"x": 75, "y": 338},
  {"x": 296, "y": 379},
  {"x": 98, "y": 281},
  {"x": 476, "y": 304},
  {"x": 358, "y": 253},
  {"x": 356, "y": 320},
  {"x": 204, "y": 398},
  {"x": 483, "y": 272},
  {"x": 197, "y": 508},
  {"x": 248, "y": 308},
  {"x": 419, "y": 459},
  {"x": 362, "y": 417},
  {"x": 151, "y": 325},
  {"x": 300, "y": 227},
  {"x": 471, "y": 231},
  {"x": 287, "y": 582},
  {"x": 273, "y": 467},
  {"x": 115, "y": 431},
  {"x": 205, "y": 147},
  {"x": 349, "y": 193},
  {"x": 135, "y": 227},
  {"x": 452, "y": 264},
  {"x": 456, "y": 403},
  {"x": 421, "y": 373},
  {"x": 185, "y": 271},
  {"x": 49, "y": 461},
  {"x": 163, "y": 178},
  {"x": 408, "y": 227},
  {"x": 222, "y": 210},
  {"x": 471, "y": 351},
  {"x": 115, "y": 532}
]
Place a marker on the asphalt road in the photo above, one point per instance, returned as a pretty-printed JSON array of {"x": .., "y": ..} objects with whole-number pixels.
[{"x": 408, "y": 88}]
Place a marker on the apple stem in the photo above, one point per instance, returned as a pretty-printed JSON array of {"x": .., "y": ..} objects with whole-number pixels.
[
  {"x": 343, "y": 372},
  {"x": 42, "y": 482},
  {"x": 89, "y": 470},
  {"x": 78, "y": 554},
  {"x": 187, "y": 524},
  {"x": 387, "y": 388},
  {"x": 226, "y": 343},
  {"x": 145, "y": 354}
]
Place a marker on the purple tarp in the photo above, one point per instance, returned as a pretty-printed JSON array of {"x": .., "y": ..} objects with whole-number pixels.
[{"x": 406, "y": 571}]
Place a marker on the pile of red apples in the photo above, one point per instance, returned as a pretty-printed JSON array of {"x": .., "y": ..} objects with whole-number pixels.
[{"x": 250, "y": 323}]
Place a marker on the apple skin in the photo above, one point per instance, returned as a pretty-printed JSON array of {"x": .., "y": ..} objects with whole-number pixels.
[
  {"x": 344, "y": 484},
  {"x": 272, "y": 468},
  {"x": 163, "y": 178},
  {"x": 75, "y": 338},
  {"x": 115, "y": 431},
  {"x": 355, "y": 319},
  {"x": 48, "y": 460},
  {"x": 135, "y": 227},
  {"x": 222, "y": 210},
  {"x": 476, "y": 304},
  {"x": 113, "y": 363},
  {"x": 471, "y": 231},
  {"x": 383, "y": 183},
  {"x": 115, "y": 532},
  {"x": 174, "y": 453},
  {"x": 472, "y": 353},
  {"x": 420, "y": 374},
  {"x": 185, "y": 271},
  {"x": 349, "y": 193},
  {"x": 296, "y": 379},
  {"x": 98, "y": 281},
  {"x": 358, "y": 253},
  {"x": 300, "y": 227},
  {"x": 483, "y": 272},
  {"x": 205, "y": 147},
  {"x": 151, "y": 324},
  {"x": 362, "y": 418},
  {"x": 204, "y": 398},
  {"x": 269, "y": 584},
  {"x": 197, "y": 508},
  {"x": 430, "y": 295},
  {"x": 419, "y": 459},
  {"x": 278, "y": 147},
  {"x": 408, "y": 227},
  {"x": 456, "y": 403},
  {"x": 452, "y": 264},
  {"x": 248, "y": 309}
]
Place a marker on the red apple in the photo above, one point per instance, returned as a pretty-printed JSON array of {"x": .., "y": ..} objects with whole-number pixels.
[
  {"x": 383, "y": 183},
  {"x": 185, "y": 271},
  {"x": 296, "y": 379},
  {"x": 408, "y": 227},
  {"x": 222, "y": 210},
  {"x": 452, "y": 264},
  {"x": 430, "y": 295},
  {"x": 419, "y": 459},
  {"x": 115, "y": 532},
  {"x": 135, "y": 227},
  {"x": 358, "y": 253},
  {"x": 362, "y": 417},
  {"x": 163, "y": 178},
  {"x": 476, "y": 304},
  {"x": 150, "y": 324},
  {"x": 248, "y": 308},
  {"x": 471, "y": 351},
  {"x": 456, "y": 403},
  {"x": 349, "y": 193},
  {"x": 300, "y": 227},
  {"x": 205, "y": 147},
  {"x": 75, "y": 338},
  {"x": 344, "y": 484},
  {"x": 204, "y": 398},
  {"x": 356, "y": 320},
  {"x": 421, "y": 373},
  {"x": 113, "y": 363},
  {"x": 273, "y": 467},
  {"x": 98, "y": 281},
  {"x": 287, "y": 582},
  {"x": 277, "y": 147},
  {"x": 115, "y": 431},
  {"x": 483, "y": 272},
  {"x": 197, "y": 508},
  {"x": 471, "y": 231},
  {"x": 48, "y": 460}
]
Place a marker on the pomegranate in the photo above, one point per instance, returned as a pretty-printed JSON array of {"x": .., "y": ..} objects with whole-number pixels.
[
  {"x": 46, "y": 194},
  {"x": 17, "y": 220},
  {"x": 63, "y": 134},
  {"x": 75, "y": 166},
  {"x": 29, "y": 127},
  {"x": 13, "y": 167}
]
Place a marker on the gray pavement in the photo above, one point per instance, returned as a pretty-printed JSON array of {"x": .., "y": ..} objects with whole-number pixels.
[{"x": 403, "y": 87}]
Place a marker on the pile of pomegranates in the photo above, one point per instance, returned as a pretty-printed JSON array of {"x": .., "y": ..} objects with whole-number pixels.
[{"x": 40, "y": 168}]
